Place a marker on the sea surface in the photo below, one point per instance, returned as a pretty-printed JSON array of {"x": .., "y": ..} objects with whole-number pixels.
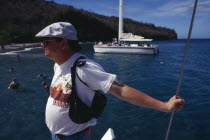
[{"x": 22, "y": 112}]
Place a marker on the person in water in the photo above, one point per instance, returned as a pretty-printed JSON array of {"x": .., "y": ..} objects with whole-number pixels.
[
  {"x": 45, "y": 86},
  {"x": 41, "y": 76},
  {"x": 11, "y": 70},
  {"x": 18, "y": 58},
  {"x": 162, "y": 62},
  {"x": 60, "y": 44},
  {"x": 14, "y": 84}
]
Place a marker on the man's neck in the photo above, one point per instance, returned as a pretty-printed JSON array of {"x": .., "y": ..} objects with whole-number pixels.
[{"x": 64, "y": 57}]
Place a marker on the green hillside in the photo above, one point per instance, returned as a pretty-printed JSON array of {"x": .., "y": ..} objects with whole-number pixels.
[{"x": 22, "y": 19}]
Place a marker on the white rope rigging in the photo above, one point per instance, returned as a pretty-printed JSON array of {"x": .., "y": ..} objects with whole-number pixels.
[{"x": 183, "y": 63}]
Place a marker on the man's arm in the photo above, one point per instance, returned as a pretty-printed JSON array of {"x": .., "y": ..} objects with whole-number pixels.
[{"x": 141, "y": 99}]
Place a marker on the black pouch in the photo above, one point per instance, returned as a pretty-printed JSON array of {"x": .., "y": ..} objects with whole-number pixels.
[
  {"x": 98, "y": 104},
  {"x": 79, "y": 112}
]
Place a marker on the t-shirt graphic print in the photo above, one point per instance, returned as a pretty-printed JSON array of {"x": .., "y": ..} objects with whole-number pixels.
[{"x": 61, "y": 93}]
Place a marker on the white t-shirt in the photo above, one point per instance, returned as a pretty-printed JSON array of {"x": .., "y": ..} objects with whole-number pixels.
[{"x": 57, "y": 108}]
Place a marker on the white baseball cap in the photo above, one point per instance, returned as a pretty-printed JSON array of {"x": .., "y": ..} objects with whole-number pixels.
[{"x": 59, "y": 29}]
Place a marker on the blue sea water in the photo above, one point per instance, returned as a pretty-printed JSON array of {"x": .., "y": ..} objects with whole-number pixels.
[{"x": 22, "y": 112}]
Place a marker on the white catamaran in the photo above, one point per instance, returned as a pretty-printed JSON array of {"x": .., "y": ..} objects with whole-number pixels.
[{"x": 127, "y": 42}]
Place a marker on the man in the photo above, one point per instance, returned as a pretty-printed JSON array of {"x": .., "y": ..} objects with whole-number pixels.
[{"x": 61, "y": 45}]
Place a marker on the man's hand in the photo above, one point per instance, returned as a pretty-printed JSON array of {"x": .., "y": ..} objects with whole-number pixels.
[{"x": 175, "y": 103}]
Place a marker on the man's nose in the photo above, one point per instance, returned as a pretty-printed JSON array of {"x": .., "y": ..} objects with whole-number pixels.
[{"x": 42, "y": 45}]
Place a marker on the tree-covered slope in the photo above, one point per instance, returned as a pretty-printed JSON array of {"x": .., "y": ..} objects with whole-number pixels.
[{"x": 22, "y": 19}]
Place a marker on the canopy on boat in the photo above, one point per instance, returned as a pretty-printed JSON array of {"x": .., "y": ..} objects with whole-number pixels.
[{"x": 131, "y": 37}]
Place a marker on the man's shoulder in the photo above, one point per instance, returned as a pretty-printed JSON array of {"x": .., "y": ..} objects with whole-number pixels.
[{"x": 91, "y": 64}]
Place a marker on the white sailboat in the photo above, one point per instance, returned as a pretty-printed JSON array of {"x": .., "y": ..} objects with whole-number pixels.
[{"x": 127, "y": 42}]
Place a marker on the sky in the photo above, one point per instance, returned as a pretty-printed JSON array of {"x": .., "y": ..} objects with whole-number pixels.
[{"x": 173, "y": 14}]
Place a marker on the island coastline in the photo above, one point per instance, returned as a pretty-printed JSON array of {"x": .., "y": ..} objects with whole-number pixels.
[{"x": 17, "y": 47}]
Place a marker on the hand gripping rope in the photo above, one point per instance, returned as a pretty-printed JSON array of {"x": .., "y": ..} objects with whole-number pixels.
[{"x": 183, "y": 63}]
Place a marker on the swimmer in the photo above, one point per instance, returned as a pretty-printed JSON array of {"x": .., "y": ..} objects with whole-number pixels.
[
  {"x": 41, "y": 76},
  {"x": 162, "y": 62},
  {"x": 11, "y": 70},
  {"x": 18, "y": 58},
  {"x": 46, "y": 88},
  {"x": 14, "y": 84},
  {"x": 44, "y": 84}
]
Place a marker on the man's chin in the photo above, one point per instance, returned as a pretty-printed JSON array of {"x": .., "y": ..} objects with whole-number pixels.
[{"x": 46, "y": 53}]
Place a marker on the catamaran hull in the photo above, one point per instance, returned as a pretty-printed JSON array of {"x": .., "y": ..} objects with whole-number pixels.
[{"x": 129, "y": 50}]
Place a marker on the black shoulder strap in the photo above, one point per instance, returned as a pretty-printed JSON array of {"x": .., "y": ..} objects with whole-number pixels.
[
  {"x": 81, "y": 80},
  {"x": 77, "y": 63}
]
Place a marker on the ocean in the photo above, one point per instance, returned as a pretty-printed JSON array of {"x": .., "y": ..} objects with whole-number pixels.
[{"x": 22, "y": 112}]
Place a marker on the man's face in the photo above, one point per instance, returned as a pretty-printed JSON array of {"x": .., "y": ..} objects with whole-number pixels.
[{"x": 51, "y": 47}]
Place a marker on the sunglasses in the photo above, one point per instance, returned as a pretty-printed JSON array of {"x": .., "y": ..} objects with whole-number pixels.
[{"x": 46, "y": 42}]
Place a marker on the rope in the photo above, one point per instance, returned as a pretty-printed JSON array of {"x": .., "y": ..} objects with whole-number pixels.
[{"x": 183, "y": 63}]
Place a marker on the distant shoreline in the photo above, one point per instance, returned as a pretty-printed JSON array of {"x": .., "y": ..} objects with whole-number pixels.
[
  {"x": 194, "y": 38},
  {"x": 16, "y": 47}
]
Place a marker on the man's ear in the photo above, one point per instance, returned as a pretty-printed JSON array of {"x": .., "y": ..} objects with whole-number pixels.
[{"x": 64, "y": 43}]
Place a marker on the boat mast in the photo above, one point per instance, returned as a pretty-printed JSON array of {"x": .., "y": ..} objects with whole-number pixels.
[{"x": 120, "y": 20}]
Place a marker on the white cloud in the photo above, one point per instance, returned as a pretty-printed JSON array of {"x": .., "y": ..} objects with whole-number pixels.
[
  {"x": 174, "y": 8},
  {"x": 204, "y": 6}
]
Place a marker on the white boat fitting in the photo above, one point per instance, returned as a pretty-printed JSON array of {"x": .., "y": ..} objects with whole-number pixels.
[
  {"x": 127, "y": 42},
  {"x": 109, "y": 135}
]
